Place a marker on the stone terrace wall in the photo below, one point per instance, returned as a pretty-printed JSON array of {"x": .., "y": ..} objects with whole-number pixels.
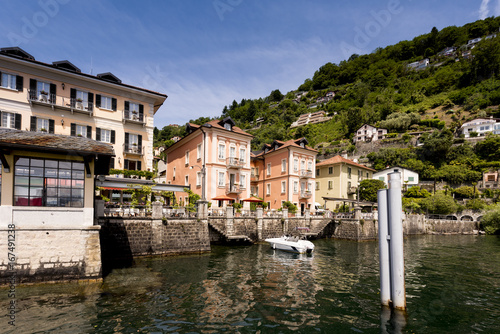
[{"x": 125, "y": 238}]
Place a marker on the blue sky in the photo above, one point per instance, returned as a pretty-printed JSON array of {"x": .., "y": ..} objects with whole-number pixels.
[{"x": 204, "y": 54}]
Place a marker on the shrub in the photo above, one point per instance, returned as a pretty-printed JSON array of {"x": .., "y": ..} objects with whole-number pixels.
[{"x": 491, "y": 220}]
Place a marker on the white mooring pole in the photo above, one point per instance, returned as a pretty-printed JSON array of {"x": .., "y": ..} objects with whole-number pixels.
[
  {"x": 398, "y": 294},
  {"x": 383, "y": 248}
]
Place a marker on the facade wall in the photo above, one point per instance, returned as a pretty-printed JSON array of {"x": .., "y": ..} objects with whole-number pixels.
[
  {"x": 408, "y": 178},
  {"x": 63, "y": 111}
]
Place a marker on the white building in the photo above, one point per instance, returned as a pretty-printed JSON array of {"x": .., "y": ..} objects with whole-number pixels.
[
  {"x": 409, "y": 178},
  {"x": 368, "y": 133},
  {"x": 481, "y": 126}
]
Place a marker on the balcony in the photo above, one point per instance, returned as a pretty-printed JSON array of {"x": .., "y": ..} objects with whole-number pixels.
[
  {"x": 133, "y": 149},
  {"x": 235, "y": 163},
  {"x": 305, "y": 174},
  {"x": 351, "y": 190},
  {"x": 133, "y": 117},
  {"x": 233, "y": 189},
  {"x": 305, "y": 194},
  {"x": 254, "y": 178},
  {"x": 64, "y": 103}
]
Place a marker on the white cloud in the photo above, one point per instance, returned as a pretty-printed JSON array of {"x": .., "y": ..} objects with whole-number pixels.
[{"x": 483, "y": 9}]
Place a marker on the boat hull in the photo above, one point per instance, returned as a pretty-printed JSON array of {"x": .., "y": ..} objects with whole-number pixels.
[{"x": 291, "y": 245}]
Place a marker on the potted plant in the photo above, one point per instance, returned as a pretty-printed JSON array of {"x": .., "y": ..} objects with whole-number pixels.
[
  {"x": 79, "y": 103},
  {"x": 43, "y": 130},
  {"x": 43, "y": 96}
]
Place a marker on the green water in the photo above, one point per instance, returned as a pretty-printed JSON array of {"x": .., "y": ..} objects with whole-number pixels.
[{"x": 452, "y": 285}]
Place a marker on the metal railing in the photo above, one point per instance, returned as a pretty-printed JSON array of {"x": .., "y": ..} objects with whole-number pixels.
[
  {"x": 133, "y": 149},
  {"x": 233, "y": 162},
  {"x": 52, "y": 100},
  {"x": 305, "y": 194},
  {"x": 233, "y": 189},
  {"x": 133, "y": 116},
  {"x": 306, "y": 174}
]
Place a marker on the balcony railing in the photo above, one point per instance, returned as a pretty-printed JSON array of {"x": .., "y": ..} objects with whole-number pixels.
[
  {"x": 60, "y": 102},
  {"x": 305, "y": 194},
  {"x": 254, "y": 178},
  {"x": 305, "y": 174},
  {"x": 351, "y": 190},
  {"x": 235, "y": 163},
  {"x": 233, "y": 189},
  {"x": 133, "y": 149},
  {"x": 133, "y": 117}
]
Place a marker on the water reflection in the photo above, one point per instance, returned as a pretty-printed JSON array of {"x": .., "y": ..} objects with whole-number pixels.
[{"x": 452, "y": 286}]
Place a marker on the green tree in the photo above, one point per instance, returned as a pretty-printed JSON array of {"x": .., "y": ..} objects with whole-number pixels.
[
  {"x": 276, "y": 96},
  {"x": 436, "y": 146},
  {"x": 489, "y": 149},
  {"x": 368, "y": 189},
  {"x": 439, "y": 204},
  {"x": 491, "y": 220},
  {"x": 292, "y": 208},
  {"x": 417, "y": 192}
]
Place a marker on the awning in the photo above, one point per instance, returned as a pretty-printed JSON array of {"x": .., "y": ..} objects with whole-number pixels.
[
  {"x": 223, "y": 198},
  {"x": 113, "y": 188}
]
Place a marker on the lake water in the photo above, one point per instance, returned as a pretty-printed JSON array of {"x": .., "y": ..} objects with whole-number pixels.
[{"x": 452, "y": 286}]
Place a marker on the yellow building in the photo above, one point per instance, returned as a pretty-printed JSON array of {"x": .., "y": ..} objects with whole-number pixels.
[
  {"x": 58, "y": 98},
  {"x": 337, "y": 178}
]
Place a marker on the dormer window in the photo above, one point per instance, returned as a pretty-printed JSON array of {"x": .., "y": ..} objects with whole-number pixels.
[
  {"x": 302, "y": 144},
  {"x": 227, "y": 126},
  {"x": 276, "y": 147}
]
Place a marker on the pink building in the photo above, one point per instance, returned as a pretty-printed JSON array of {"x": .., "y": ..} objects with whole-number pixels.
[
  {"x": 284, "y": 171},
  {"x": 220, "y": 147}
]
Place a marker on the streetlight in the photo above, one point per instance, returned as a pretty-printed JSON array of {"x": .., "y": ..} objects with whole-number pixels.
[{"x": 203, "y": 172}]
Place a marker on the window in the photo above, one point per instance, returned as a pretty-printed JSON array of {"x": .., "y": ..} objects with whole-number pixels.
[
  {"x": 186, "y": 180},
  {"x": 222, "y": 179},
  {"x": 268, "y": 189},
  {"x": 232, "y": 152},
  {"x": 268, "y": 169},
  {"x": 106, "y": 136},
  {"x": 222, "y": 151},
  {"x": 243, "y": 153},
  {"x": 81, "y": 100},
  {"x": 8, "y": 80},
  {"x": 253, "y": 190},
  {"x": 309, "y": 166},
  {"x": 198, "y": 152},
  {"x": 295, "y": 165},
  {"x": 381, "y": 178},
  {"x": 317, "y": 172},
  {"x": 349, "y": 172},
  {"x": 106, "y": 103},
  {"x": 42, "y": 125},
  {"x": 9, "y": 120},
  {"x": 283, "y": 187},
  {"x": 330, "y": 170},
  {"x": 243, "y": 181},
  {"x": 187, "y": 158},
  {"x": 42, "y": 88},
  {"x": 173, "y": 174},
  {"x": 296, "y": 187},
  {"x": 317, "y": 185},
  {"x": 198, "y": 179},
  {"x": 132, "y": 164},
  {"x": 81, "y": 131},
  {"x": 44, "y": 182},
  {"x": 411, "y": 179},
  {"x": 302, "y": 164},
  {"x": 330, "y": 184},
  {"x": 227, "y": 126},
  {"x": 283, "y": 165}
]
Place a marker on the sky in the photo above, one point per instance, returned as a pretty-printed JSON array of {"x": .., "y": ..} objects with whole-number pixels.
[{"x": 204, "y": 54}]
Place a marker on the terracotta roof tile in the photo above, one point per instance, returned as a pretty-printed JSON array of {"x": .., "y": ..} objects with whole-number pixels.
[{"x": 338, "y": 159}]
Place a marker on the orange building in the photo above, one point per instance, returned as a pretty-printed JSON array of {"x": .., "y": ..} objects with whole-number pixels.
[
  {"x": 222, "y": 151},
  {"x": 283, "y": 171}
]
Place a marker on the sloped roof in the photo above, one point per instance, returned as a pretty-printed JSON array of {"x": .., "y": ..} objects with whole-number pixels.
[
  {"x": 48, "y": 142},
  {"x": 338, "y": 159},
  {"x": 283, "y": 145}
]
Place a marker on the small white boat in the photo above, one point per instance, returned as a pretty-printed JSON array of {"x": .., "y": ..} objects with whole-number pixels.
[{"x": 291, "y": 244}]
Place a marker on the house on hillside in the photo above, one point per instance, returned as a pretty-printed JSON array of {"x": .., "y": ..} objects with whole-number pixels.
[
  {"x": 311, "y": 118},
  {"x": 479, "y": 127},
  {"x": 490, "y": 180},
  {"x": 337, "y": 181},
  {"x": 419, "y": 65},
  {"x": 369, "y": 133},
  {"x": 284, "y": 171},
  {"x": 409, "y": 178}
]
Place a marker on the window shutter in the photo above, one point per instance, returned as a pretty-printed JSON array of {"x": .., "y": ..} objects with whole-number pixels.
[
  {"x": 113, "y": 104},
  {"x": 139, "y": 165},
  {"x": 98, "y": 100},
  {"x": 89, "y": 131},
  {"x": 112, "y": 163},
  {"x": 52, "y": 97},
  {"x": 51, "y": 126},
  {"x": 18, "y": 121},
  {"x": 139, "y": 141},
  {"x": 33, "y": 123},
  {"x": 141, "y": 112},
  {"x": 126, "y": 140},
  {"x": 72, "y": 95},
  {"x": 127, "y": 109},
  {"x": 73, "y": 129},
  {"x": 125, "y": 163},
  {"x": 19, "y": 83},
  {"x": 98, "y": 134},
  {"x": 91, "y": 101},
  {"x": 32, "y": 91},
  {"x": 112, "y": 136}
]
